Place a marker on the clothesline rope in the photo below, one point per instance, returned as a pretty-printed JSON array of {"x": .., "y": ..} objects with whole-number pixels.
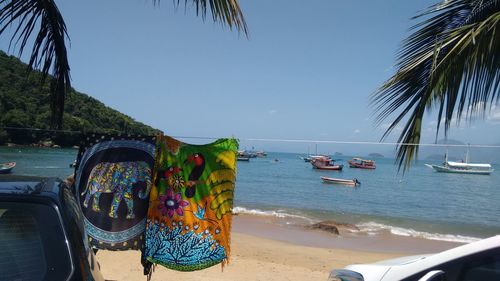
[{"x": 310, "y": 141}]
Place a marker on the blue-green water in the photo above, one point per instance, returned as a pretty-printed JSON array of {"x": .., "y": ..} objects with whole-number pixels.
[{"x": 421, "y": 203}]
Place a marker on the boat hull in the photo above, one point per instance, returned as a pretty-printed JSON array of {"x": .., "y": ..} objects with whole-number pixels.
[
  {"x": 353, "y": 182},
  {"x": 325, "y": 165},
  {"x": 444, "y": 169},
  {"x": 359, "y": 166},
  {"x": 331, "y": 168},
  {"x": 7, "y": 167},
  {"x": 361, "y": 163}
]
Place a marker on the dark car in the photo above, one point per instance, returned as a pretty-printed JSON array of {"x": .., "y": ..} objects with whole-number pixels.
[{"x": 41, "y": 232}]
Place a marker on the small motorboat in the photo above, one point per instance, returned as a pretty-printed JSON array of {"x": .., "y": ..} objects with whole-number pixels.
[
  {"x": 241, "y": 158},
  {"x": 353, "y": 182},
  {"x": 6, "y": 168},
  {"x": 305, "y": 158},
  {"x": 361, "y": 163},
  {"x": 325, "y": 164}
]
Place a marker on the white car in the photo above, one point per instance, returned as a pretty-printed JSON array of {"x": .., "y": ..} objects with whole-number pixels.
[{"x": 477, "y": 261}]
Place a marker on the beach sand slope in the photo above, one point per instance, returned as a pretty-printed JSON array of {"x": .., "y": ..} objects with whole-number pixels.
[{"x": 253, "y": 258}]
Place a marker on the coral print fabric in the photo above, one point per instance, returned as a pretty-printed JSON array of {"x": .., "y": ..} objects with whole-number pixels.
[
  {"x": 113, "y": 178},
  {"x": 189, "y": 217}
]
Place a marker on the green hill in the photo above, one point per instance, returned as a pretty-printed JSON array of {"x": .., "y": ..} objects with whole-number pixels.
[{"x": 24, "y": 103}]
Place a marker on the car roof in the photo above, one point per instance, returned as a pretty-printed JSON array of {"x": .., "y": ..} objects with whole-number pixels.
[
  {"x": 402, "y": 260},
  {"x": 17, "y": 184}
]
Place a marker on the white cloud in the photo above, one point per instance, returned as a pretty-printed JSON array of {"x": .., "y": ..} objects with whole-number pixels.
[
  {"x": 357, "y": 131},
  {"x": 494, "y": 115},
  {"x": 273, "y": 111}
]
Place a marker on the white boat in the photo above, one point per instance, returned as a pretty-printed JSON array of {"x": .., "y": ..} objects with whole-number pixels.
[
  {"x": 353, "y": 182},
  {"x": 462, "y": 167},
  {"x": 6, "y": 168},
  {"x": 315, "y": 157}
]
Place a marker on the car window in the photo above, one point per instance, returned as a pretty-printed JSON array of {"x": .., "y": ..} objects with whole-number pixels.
[
  {"x": 32, "y": 243},
  {"x": 484, "y": 268},
  {"x": 478, "y": 267}
]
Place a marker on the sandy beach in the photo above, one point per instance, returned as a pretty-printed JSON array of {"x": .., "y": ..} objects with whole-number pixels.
[{"x": 263, "y": 249}]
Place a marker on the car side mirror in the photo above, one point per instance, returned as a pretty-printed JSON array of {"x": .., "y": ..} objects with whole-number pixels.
[
  {"x": 345, "y": 275},
  {"x": 434, "y": 275}
]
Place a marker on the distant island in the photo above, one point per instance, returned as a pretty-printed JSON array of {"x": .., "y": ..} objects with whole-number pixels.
[
  {"x": 24, "y": 103},
  {"x": 337, "y": 154},
  {"x": 375, "y": 155}
]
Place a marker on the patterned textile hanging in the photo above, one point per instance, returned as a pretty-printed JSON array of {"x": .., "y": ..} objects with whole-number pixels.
[
  {"x": 113, "y": 177},
  {"x": 189, "y": 218}
]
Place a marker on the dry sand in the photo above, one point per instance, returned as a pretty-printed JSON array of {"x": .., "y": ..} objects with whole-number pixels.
[{"x": 264, "y": 251}]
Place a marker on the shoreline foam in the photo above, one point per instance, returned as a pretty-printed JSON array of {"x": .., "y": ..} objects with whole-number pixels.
[
  {"x": 284, "y": 230},
  {"x": 368, "y": 227}
]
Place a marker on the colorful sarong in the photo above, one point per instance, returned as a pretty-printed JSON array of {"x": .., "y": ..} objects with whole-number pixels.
[
  {"x": 189, "y": 217},
  {"x": 113, "y": 177}
]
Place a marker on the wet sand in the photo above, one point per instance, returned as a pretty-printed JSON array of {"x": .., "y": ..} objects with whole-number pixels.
[
  {"x": 291, "y": 231},
  {"x": 265, "y": 248}
]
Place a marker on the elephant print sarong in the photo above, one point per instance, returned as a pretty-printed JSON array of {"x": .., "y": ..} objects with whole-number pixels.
[
  {"x": 113, "y": 178},
  {"x": 189, "y": 218}
]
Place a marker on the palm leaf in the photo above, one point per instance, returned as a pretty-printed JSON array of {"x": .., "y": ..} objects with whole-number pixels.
[
  {"x": 49, "y": 50},
  {"x": 223, "y": 11},
  {"x": 49, "y": 53},
  {"x": 450, "y": 62}
]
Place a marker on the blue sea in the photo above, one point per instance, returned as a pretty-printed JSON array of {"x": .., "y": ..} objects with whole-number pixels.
[{"x": 420, "y": 203}]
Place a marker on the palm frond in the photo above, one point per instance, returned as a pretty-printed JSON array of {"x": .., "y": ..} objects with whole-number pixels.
[
  {"x": 227, "y": 12},
  {"x": 452, "y": 62},
  {"x": 49, "y": 50}
]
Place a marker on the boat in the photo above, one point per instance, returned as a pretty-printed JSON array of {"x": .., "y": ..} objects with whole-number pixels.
[
  {"x": 353, "y": 182},
  {"x": 6, "y": 168},
  {"x": 325, "y": 164},
  {"x": 241, "y": 158},
  {"x": 305, "y": 158},
  {"x": 463, "y": 167},
  {"x": 361, "y": 163},
  {"x": 310, "y": 157},
  {"x": 261, "y": 154},
  {"x": 246, "y": 154},
  {"x": 320, "y": 157}
]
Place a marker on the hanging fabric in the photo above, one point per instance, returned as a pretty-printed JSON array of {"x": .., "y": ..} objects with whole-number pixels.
[
  {"x": 189, "y": 218},
  {"x": 113, "y": 178}
]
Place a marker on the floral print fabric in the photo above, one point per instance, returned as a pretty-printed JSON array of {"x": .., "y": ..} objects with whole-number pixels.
[{"x": 191, "y": 200}]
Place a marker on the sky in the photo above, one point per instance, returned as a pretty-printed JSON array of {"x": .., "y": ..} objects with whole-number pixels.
[{"x": 306, "y": 71}]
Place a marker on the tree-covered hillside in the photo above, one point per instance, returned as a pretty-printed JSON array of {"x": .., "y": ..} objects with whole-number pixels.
[{"x": 24, "y": 103}]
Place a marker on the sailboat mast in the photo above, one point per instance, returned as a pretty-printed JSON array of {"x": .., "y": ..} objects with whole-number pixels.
[
  {"x": 446, "y": 156},
  {"x": 467, "y": 154}
]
